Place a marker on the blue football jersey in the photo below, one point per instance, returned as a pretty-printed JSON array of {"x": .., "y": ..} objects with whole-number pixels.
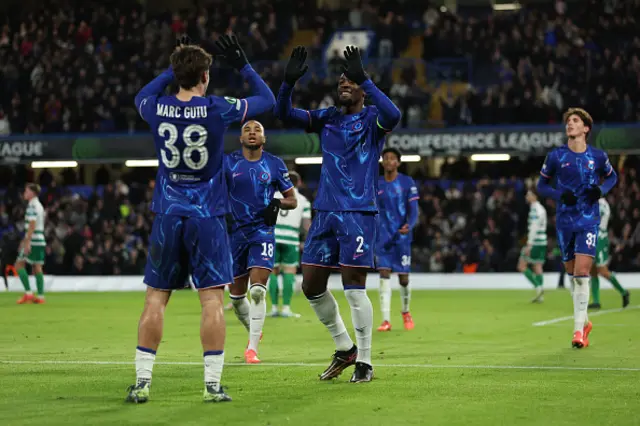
[
  {"x": 394, "y": 199},
  {"x": 351, "y": 148},
  {"x": 189, "y": 142},
  {"x": 252, "y": 185},
  {"x": 576, "y": 172}
]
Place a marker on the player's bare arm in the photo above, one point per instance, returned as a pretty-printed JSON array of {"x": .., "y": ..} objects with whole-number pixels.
[{"x": 289, "y": 200}]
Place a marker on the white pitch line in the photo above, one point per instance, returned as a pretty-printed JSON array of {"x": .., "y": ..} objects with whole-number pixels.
[
  {"x": 591, "y": 314},
  {"x": 303, "y": 364}
]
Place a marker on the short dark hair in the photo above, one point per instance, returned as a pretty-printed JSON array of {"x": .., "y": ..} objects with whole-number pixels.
[
  {"x": 295, "y": 177},
  {"x": 189, "y": 63},
  {"x": 582, "y": 113},
  {"x": 396, "y": 151},
  {"x": 34, "y": 187}
]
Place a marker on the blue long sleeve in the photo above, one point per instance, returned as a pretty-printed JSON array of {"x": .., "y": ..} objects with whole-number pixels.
[
  {"x": 154, "y": 87},
  {"x": 412, "y": 213},
  {"x": 546, "y": 190},
  {"x": 609, "y": 182},
  {"x": 262, "y": 99},
  {"x": 284, "y": 109},
  {"x": 389, "y": 114}
]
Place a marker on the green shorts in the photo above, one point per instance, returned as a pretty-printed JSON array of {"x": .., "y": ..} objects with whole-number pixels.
[
  {"x": 602, "y": 251},
  {"x": 35, "y": 257},
  {"x": 538, "y": 254},
  {"x": 287, "y": 255}
]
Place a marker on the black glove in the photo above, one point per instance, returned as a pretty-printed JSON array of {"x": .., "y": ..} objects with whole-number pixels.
[
  {"x": 185, "y": 40},
  {"x": 296, "y": 67},
  {"x": 228, "y": 218},
  {"x": 230, "y": 49},
  {"x": 354, "y": 69},
  {"x": 593, "y": 194},
  {"x": 270, "y": 213},
  {"x": 568, "y": 198}
]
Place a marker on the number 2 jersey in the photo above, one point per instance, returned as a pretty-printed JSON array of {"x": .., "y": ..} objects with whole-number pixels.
[{"x": 576, "y": 172}]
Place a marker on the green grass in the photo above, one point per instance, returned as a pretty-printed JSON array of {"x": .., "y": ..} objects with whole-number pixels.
[{"x": 458, "y": 336}]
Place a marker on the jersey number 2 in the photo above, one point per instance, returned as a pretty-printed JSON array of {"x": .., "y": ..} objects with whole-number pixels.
[
  {"x": 360, "y": 241},
  {"x": 192, "y": 144}
]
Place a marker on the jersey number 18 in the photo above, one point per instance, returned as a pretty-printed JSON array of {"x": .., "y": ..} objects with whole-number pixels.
[{"x": 194, "y": 137}]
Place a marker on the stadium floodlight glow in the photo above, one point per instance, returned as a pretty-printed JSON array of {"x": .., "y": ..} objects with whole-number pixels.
[
  {"x": 308, "y": 160},
  {"x": 142, "y": 163},
  {"x": 53, "y": 164},
  {"x": 408, "y": 159},
  {"x": 490, "y": 157},
  {"x": 506, "y": 7}
]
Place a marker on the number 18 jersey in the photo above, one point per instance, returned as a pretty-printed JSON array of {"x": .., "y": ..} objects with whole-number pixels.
[{"x": 189, "y": 142}]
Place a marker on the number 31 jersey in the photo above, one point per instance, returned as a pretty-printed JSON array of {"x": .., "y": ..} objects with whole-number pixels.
[{"x": 189, "y": 142}]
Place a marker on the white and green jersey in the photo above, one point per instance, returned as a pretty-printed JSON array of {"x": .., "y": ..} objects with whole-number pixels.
[
  {"x": 605, "y": 214},
  {"x": 290, "y": 221},
  {"x": 537, "y": 222},
  {"x": 35, "y": 211}
]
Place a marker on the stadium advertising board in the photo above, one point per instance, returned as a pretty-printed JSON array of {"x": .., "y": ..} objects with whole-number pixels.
[{"x": 116, "y": 148}]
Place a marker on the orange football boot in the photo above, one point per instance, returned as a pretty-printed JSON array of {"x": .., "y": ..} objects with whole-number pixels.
[
  {"x": 251, "y": 357},
  {"x": 385, "y": 326},
  {"x": 585, "y": 331},
  {"x": 408, "y": 321},
  {"x": 27, "y": 298},
  {"x": 38, "y": 300},
  {"x": 578, "y": 340}
]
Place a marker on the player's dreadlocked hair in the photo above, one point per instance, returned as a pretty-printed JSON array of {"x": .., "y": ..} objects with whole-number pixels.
[
  {"x": 584, "y": 116},
  {"x": 395, "y": 151},
  {"x": 189, "y": 64}
]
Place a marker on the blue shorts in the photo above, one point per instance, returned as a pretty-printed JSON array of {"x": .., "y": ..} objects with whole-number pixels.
[
  {"x": 254, "y": 249},
  {"x": 396, "y": 257},
  {"x": 341, "y": 239},
  {"x": 180, "y": 246},
  {"x": 573, "y": 242}
]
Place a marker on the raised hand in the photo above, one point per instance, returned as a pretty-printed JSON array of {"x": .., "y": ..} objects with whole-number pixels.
[
  {"x": 354, "y": 69},
  {"x": 184, "y": 40},
  {"x": 230, "y": 49},
  {"x": 296, "y": 66}
]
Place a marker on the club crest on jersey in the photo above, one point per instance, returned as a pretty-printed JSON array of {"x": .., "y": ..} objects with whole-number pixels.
[
  {"x": 591, "y": 165},
  {"x": 357, "y": 126},
  {"x": 264, "y": 177}
]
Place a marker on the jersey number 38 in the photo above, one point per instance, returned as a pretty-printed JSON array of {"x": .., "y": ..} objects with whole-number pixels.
[{"x": 194, "y": 138}]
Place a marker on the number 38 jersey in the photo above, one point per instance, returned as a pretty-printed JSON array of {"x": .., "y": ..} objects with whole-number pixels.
[{"x": 189, "y": 142}]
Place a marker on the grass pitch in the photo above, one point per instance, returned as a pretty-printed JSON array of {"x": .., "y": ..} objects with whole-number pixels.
[{"x": 474, "y": 358}]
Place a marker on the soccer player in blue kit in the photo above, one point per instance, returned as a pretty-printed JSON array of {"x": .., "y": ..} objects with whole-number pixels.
[
  {"x": 398, "y": 203},
  {"x": 189, "y": 234},
  {"x": 343, "y": 231},
  {"x": 582, "y": 175},
  {"x": 253, "y": 177}
]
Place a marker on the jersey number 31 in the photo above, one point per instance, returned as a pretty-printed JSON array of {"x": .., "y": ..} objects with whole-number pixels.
[{"x": 194, "y": 137}]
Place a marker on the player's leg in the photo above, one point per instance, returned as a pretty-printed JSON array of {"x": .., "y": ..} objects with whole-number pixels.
[
  {"x": 405, "y": 298},
  {"x": 166, "y": 269},
  {"x": 212, "y": 336},
  {"x": 595, "y": 289},
  {"x": 604, "y": 271},
  {"x": 210, "y": 261},
  {"x": 585, "y": 251},
  {"x": 523, "y": 261},
  {"x": 385, "y": 291},
  {"x": 24, "y": 279},
  {"x": 537, "y": 258},
  {"x": 289, "y": 261},
  {"x": 238, "y": 289},
  {"x": 357, "y": 236},
  {"x": 36, "y": 258},
  {"x": 274, "y": 290},
  {"x": 402, "y": 265},
  {"x": 319, "y": 258}
]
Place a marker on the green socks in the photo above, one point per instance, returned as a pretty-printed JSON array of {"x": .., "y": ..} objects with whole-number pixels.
[
  {"x": 40, "y": 284},
  {"x": 273, "y": 289},
  {"x": 24, "y": 278},
  {"x": 288, "y": 280},
  {"x": 534, "y": 279},
  {"x": 616, "y": 284},
  {"x": 595, "y": 289}
]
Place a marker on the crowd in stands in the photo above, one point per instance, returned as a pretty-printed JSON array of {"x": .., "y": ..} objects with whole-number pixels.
[
  {"x": 76, "y": 65},
  {"x": 472, "y": 225}
]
